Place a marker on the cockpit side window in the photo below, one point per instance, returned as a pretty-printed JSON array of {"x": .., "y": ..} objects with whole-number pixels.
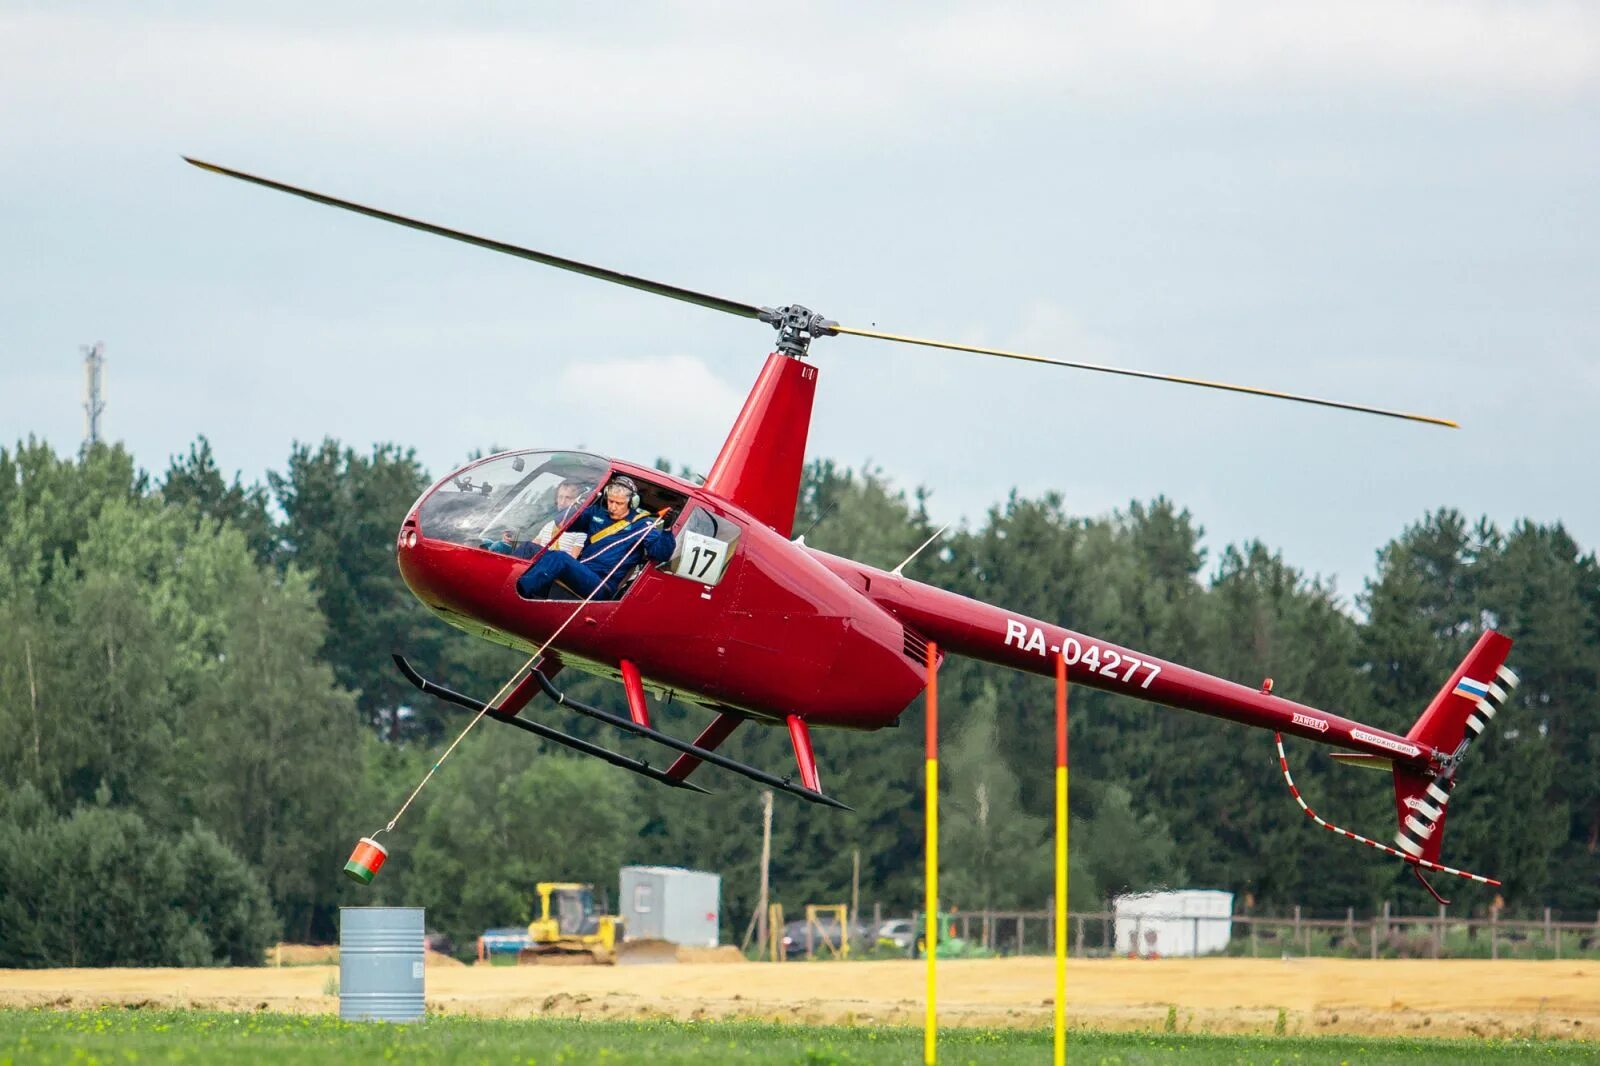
[
  {"x": 612, "y": 548},
  {"x": 503, "y": 503},
  {"x": 705, "y": 545}
]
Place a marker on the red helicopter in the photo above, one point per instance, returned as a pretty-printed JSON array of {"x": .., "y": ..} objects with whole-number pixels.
[{"x": 757, "y": 627}]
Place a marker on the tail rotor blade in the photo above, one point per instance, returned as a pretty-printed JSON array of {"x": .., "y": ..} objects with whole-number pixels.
[
  {"x": 1146, "y": 374},
  {"x": 715, "y": 303}
]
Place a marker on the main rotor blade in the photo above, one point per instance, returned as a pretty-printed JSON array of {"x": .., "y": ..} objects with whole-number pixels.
[
  {"x": 715, "y": 303},
  {"x": 1148, "y": 375}
]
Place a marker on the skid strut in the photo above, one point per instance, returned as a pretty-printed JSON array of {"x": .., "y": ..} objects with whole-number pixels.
[
  {"x": 720, "y": 729},
  {"x": 783, "y": 784},
  {"x": 1417, "y": 865},
  {"x": 638, "y": 766}
]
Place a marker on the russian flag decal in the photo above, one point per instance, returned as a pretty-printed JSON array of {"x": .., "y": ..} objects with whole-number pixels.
[{"x": 1473, "y": 690}]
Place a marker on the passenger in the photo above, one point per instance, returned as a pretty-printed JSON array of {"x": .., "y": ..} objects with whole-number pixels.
[
  {"x": 508, "y": 544},
  {"x": 616, "y": 533},
  {"x": 568, "y": 493}
]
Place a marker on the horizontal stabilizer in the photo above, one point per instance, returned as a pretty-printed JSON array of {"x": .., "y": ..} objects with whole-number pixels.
[{"x": 1361, "y": 759}]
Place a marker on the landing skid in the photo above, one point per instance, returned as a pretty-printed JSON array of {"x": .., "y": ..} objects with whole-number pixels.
[
  {"x": 783, "y": 784},
  {"x": 638, "y": 766}
]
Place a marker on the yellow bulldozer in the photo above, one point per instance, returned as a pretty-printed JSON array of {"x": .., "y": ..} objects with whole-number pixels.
[{"x": 567, "y": 928}]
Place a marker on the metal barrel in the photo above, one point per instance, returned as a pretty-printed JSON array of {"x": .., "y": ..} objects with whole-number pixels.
[{"x": 381, "y": 964}]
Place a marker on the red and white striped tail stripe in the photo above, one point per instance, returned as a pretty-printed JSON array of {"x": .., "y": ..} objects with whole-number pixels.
[
  {"x": 1498, "y": 690},
  {"x": 1414, "y": 832},
  {"x": 1433, "y": 791}
]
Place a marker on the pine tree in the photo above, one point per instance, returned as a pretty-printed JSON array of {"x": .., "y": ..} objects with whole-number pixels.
[
  {"x": 194, "y": 481},
  {"x": 997, "y": 854},
  {"x": 341, "y": 514}
]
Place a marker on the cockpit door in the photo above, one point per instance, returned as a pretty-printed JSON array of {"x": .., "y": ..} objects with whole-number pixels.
[{"x": 677, "y": 612}]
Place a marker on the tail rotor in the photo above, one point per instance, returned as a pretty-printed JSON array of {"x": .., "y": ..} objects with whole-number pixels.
[{"x": 1456, "y": 717}]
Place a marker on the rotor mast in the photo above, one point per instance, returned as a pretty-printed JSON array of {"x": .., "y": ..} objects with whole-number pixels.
[
  {"x": 761, "y": 463},
  {"x": 797, "y": 327}
]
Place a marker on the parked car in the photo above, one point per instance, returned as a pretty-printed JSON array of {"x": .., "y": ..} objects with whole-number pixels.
[
  {"x": 897, "y": 934},
  {"x": 824, "y": 933}
]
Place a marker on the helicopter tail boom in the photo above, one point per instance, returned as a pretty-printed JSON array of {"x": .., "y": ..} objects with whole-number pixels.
[
  {"x": 964, "y": 626},
  {"x": 1423, "y": 762}
]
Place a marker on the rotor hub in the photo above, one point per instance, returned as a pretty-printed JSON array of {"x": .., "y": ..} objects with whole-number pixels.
[{"x": 797, "y": 326}]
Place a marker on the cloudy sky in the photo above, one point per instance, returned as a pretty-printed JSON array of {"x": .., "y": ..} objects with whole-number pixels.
[{"x": 1388, "y": 202}]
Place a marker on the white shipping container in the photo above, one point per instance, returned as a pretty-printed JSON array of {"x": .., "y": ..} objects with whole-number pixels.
[
  {"x": 672, "y": 904},
  {"x": 1185, "y": 923}
]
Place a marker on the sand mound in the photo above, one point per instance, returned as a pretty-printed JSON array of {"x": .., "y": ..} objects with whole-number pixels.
[
  {"x": 1296, "y": 996},
  {"x": 328, "y": 955},
  {"x": 303, "y": 955}
]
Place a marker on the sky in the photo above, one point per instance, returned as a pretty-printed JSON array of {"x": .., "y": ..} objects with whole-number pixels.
[{"x": 1388, "y": 202}]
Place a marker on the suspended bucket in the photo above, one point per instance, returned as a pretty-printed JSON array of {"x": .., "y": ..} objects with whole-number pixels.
[{"x": 366, "y": 860}]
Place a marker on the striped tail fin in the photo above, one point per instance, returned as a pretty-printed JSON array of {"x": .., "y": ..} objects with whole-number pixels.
[
  {"x": 1421, "y": 804},
  {"x": 1455, "y": 718}
]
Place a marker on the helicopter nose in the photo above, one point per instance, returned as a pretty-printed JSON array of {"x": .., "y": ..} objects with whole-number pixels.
[
  {"x": 415, "y": 557},
  {"x": 408, "y": 533}
]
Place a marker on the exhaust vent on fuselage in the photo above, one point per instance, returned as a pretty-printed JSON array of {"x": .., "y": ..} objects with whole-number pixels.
[{"x": 914, "y": 645}]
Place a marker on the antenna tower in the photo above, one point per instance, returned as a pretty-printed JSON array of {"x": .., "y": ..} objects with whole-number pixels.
[{"x": 94, "y": 404}]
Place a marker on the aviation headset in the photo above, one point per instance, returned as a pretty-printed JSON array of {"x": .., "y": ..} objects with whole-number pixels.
[{"x": 624, "y": 481}]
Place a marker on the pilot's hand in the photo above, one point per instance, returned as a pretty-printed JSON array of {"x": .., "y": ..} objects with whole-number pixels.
[{"x": 574, "y": 550}]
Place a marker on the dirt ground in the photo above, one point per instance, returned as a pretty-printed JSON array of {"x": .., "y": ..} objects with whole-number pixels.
[{"x": 1304, "y": 996}]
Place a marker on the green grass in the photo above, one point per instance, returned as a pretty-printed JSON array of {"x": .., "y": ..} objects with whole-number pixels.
[
  {"x": 1413, "y": 939},
  {"x": 85, "y": 1038}
]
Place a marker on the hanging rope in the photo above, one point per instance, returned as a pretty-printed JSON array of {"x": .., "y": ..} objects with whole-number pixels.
[{"x": 522, "y": 671}]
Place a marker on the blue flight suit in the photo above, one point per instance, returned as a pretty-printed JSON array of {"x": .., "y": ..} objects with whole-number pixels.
[{"x": 610, "y": 542}]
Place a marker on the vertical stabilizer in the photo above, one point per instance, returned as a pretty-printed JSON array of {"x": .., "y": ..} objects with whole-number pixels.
[
  {"x": 1470, "y": 698},
  {"x": 1459, "y": 713}
]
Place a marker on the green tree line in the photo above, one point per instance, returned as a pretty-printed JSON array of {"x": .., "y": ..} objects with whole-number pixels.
[{"x": 198, "y": 718}]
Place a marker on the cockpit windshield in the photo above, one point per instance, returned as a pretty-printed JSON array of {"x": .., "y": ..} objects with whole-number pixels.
[{"x": 505, "y": 501}]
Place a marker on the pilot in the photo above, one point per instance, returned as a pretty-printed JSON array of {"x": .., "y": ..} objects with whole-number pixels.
[{"x": 617, "y": 533}]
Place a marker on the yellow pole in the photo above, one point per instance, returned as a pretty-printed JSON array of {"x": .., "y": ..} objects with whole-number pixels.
[
  {"x": 1061, "y": 862},
  {"x": 930, "y": 1027}
]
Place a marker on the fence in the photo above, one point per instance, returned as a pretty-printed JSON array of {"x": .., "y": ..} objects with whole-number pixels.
[{"x": 1384, "y": 935}]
